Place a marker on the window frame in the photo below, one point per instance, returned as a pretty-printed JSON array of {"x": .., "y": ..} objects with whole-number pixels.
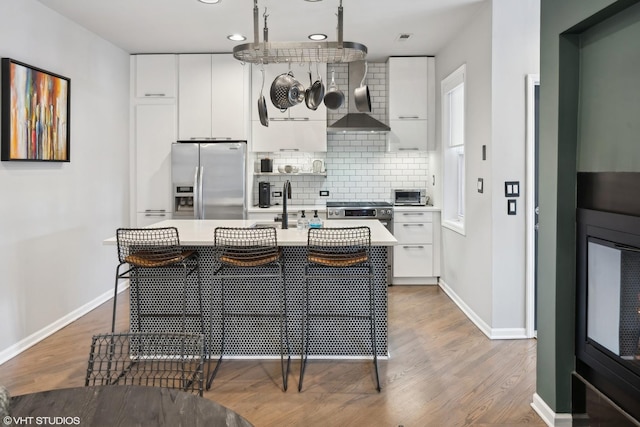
[{"x": 453, "y": 154}]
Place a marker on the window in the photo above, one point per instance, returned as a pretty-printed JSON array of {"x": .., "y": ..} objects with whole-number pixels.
[{"x": 453, "y": 142}]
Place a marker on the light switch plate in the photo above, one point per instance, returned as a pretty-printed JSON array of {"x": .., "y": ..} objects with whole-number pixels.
[
  {"x": 512, "y": 189},
  {"x": 511, "y": 207},
  {"x": 480, "y": 185}
]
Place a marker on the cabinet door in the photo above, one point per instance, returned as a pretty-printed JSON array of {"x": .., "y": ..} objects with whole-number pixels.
[
  {"x": 408, "y": 135},
  {"x": 286, "y": 135},
  {"x": 155, "y": 76},
  {"x": 413, "y": 260},
  {"x": 230, "y": 86},
  {"x": 407, "y": 88},
  {"x": 155, "y": 131},
  {"x": 194, "y": 102}
]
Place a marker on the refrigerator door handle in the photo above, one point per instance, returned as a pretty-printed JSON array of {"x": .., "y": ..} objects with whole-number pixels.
[
  {"x": 196, "y": 194},
  {"x": 200, "y": 192}
]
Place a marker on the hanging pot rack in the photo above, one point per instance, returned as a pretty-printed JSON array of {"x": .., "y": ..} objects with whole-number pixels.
[{"x": 266, "y": 52}]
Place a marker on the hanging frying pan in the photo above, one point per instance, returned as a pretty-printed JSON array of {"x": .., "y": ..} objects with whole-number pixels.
[
  {"x": 315, "y": 92},
  {"x": 262, "y": 105}
]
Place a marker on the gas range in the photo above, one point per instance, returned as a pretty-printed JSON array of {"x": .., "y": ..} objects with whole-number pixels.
[{"x": 360, "y": 210}]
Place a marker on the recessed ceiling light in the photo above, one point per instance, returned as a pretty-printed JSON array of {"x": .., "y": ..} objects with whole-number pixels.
[
  {"x": 209, "y": 1},
  {"x": 236, "y": 37},
  {"x": 317, "y": 36}
]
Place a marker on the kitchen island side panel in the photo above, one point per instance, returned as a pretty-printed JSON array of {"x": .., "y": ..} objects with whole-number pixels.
[{"x": 259, "y": 337}]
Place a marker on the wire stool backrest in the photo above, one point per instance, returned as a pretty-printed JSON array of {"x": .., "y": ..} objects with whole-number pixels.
[
  {"x": 335, "y": 245},
  {"x": 157, "y": 244},
  {"x": 247, "y": 243}
]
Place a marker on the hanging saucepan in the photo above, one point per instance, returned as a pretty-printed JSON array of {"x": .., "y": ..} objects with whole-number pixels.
[
  {"x": 334, "y": 97},
  {"x": 262, "y": 105},
  {"x": 315, "y": 92},
  {"x": 361, "y": 94},
  {"x": 286, "y": 91}
]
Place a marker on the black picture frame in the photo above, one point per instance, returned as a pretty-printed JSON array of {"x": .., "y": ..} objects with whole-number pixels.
[{"x": 35, "y": 117}]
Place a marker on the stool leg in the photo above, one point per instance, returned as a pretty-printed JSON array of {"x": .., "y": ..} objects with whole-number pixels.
[
  {"x": 115, "y": 298},
  {"x": 222, "y": 332},
  {"x": 202, "y": 322},
  {"x": 305, "y": 336},
  {"x": 284, "y": 325},
  {"x": 372, "y": 317}
]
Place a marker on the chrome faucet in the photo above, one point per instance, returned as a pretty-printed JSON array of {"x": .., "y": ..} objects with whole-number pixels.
[{"x": 286, "y": 194}]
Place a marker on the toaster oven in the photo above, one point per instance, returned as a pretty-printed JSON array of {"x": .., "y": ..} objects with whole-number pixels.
[{"x": 409, "y": 197}]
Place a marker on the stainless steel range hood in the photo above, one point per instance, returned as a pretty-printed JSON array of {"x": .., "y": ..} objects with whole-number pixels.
[{"x": 356, "y": 121}]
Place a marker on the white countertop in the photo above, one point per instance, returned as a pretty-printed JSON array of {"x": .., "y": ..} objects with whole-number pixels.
[
  {"x": 416, "y": 208},
  {"x": 200, "y": 232},
  {"x": 290, "y": 208}
]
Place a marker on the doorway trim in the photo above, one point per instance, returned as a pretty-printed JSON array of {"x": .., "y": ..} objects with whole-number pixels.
[{"x": 532, "y": 80}]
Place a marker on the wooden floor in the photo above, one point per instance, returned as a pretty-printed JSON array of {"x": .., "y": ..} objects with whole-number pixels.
[{"x": 442, "y": 372}]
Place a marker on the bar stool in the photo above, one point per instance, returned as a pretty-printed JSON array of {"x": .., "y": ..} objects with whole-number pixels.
[
  {"x": 148, "y": 252},
  {"x": 247, "y": 253},
  {"x": 338, "y": 253}
]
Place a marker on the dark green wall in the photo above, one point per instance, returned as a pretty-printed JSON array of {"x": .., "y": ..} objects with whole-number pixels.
[
  {"x": 562, "y": 22},
  {"x": 609, "y": 117}
]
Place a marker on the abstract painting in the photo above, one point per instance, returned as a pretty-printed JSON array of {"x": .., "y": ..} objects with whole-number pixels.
[{"x": 35, "y": 114}]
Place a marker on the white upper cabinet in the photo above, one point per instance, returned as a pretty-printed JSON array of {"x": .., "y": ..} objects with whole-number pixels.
[
  {"x": 155, "y": 76},
  {"x": 297, "y": 128},
  {"x": 411, "y": 103},
  {"x": 212, "y": 97}
]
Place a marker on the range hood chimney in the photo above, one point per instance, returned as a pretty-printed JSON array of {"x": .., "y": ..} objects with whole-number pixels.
[{"x": 356, "y": 121}]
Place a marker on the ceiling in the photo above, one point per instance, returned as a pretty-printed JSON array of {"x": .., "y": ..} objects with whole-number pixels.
[{"x": 188, "y": 26}]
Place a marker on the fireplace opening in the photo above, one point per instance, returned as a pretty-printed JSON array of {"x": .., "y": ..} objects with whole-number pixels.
[{"x": 608, "y": 305}]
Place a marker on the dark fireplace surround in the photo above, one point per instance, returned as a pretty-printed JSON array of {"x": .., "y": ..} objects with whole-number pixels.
[{"x": 608, "y": 286}]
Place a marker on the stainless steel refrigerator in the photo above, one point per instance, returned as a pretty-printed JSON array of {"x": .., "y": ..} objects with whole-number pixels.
[{"x": 208, "y": 179}]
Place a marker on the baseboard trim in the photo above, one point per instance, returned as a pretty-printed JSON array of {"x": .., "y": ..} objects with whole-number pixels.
[
  {"x": 548, "y": 415},
  {"x": 491, "y": 333},
  {"x": 22, "y": 345}
]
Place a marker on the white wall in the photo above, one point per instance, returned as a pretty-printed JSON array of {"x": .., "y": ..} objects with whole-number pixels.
[
  {"x": 53, "y": 217},
  {"x": 515, "y": 53},
  {"x": 485, "y": 269},
  {"x": 466, "y": 268}
]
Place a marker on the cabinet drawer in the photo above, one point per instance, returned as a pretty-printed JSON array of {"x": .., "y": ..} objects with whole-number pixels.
[
  {"x": 412, "y": 217},
  {"x": 413, "y": 232},
  {"x": 413, "y": 261}
]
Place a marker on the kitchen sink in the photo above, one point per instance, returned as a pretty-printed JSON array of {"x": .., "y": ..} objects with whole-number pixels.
[{"x": 266, "y": 225}]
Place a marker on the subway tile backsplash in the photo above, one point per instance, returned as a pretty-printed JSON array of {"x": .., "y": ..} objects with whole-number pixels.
[{"x": 358, "y": 166}]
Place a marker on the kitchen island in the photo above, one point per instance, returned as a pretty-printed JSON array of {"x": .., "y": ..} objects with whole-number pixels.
[{"x": 259, "y": 337}]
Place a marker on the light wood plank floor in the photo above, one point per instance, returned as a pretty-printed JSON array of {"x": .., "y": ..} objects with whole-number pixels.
[{"x": 442, "y": 372}]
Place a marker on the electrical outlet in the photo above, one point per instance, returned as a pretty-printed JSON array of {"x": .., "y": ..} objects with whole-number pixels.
[
  {"x": 324, "y": 193},
  {"x": 277, "y": 194}
]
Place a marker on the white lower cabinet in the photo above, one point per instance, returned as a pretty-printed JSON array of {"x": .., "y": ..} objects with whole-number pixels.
[{"x": 415, "y": 257}]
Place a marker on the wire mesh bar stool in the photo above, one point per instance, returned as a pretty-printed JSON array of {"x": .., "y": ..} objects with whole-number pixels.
[
  {"x": 242, "y": 254},
  {"x": 154, "y": 255},
  {"x": 338, "y": 253},
  {"x": 156, "y": 249}
]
